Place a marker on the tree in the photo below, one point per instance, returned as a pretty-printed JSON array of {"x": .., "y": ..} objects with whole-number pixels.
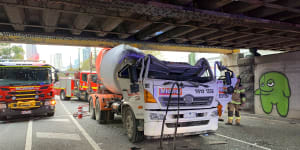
[
  {"x": 85, "y": 65},
  {"x": 11, "y": 52}
]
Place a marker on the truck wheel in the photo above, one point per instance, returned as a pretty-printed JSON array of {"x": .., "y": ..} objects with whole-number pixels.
[
  {"x": 50, "y": 114},
  {"x": 100, "y": 114},
  {"x": 62, "y": 96},
  {"x": 86, "y": 96},
  {"x": 92, "y": 109},
  {"x": 131, "y": 126}
]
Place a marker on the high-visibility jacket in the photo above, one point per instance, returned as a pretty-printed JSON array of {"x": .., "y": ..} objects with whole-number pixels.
[{"x": 238, "y": 96}]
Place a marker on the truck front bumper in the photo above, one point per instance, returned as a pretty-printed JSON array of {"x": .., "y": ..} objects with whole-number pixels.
[
  {"x": 190, "y": 122},
  {"x": 7, "y": 112}
]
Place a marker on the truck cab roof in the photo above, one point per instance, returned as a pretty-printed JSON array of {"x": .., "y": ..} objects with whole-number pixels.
[{"x": 23, "y": 63}]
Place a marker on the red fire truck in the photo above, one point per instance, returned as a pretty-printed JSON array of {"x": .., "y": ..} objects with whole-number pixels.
[
  {"x": 77, "y": 86},
  {"x": 26, "y": 88}
]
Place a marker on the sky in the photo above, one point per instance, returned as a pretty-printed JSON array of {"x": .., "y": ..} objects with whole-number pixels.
[{"x": 72, "y": 51}]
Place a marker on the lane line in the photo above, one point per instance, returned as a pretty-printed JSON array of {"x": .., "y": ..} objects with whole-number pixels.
[
  {"x": 28, "y": 143},
  {"x": 58, "y": 120},
  {"x": 255, "y": 145},
  {"x": 83, "y": 132},
  {"x": 63, "y": 136}
]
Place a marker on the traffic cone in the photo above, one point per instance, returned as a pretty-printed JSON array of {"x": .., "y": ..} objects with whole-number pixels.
[{"x": 79, "y": 116}]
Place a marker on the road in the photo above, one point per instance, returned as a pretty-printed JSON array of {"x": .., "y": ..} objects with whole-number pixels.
[{"x": 63, "y": 132}]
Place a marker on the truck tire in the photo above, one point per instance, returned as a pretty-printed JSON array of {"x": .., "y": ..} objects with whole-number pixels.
[
  {"x": 100, "y": 114},
  {"x": 92, "y": 109},
  {"x": 131, "y": 127},
  {"x": 50, "y": 114},
  {"x": 62, "y": 95},
  {"x": 86, "y": 97}
]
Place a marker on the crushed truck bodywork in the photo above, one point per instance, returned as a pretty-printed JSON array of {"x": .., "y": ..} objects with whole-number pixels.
[{"x": 141, "y": 89}]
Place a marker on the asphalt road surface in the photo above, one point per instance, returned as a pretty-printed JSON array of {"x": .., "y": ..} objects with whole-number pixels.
[{"x": 64, "y": 132}]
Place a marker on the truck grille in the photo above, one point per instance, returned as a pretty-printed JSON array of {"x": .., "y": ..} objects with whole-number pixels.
[
  {"x": 197, "y": 101},
  {"x": 24, "y": 95},
  {"x": 187, "y": 124}
]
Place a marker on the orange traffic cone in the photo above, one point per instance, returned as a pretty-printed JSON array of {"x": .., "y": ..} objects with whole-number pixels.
[{"x": 79, "y": 116}]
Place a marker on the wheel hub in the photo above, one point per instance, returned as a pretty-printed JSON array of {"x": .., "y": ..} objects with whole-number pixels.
[{"x": 129, "y": 125}]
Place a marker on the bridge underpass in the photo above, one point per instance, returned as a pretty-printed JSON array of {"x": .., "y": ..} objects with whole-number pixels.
[
  {"x": 216, "y": 26},
  {"x": 269, "y": 24}
]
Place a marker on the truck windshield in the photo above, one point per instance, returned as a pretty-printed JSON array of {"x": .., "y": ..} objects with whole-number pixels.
[{"x": 10, "y": 76}]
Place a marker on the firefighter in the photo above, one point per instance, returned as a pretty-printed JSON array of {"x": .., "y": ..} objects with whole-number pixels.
[{"x": 238, "y": 100}]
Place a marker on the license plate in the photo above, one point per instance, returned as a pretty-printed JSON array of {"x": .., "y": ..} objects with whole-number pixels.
[
  {"x": 190, "y": 115},
  {"x": 26, "y": 112},
  {"x": 25, "y": 105}
]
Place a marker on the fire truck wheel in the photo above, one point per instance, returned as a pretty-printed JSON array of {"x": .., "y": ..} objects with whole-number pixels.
[
  {"x": 62, "y": 95},
  {"x": 50, "y": 114},
  {"x": 86, "y": 96},
  {"x": 100, "y": 114},
  {"x": 131, "y": 126},
  {"x": 92, "y": 109}
]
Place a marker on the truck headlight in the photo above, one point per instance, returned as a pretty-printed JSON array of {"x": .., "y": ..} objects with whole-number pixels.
[
  {"x": 49, "y": 94},
  {"x": 155, "y": 116},
  {"x": 14, "y": 98},
  {"x": 214, "y": 113},
  {"x": 50, "y": 102},
  {"x": 36, "y": 97},
  {"x": 2, "y": 106}
]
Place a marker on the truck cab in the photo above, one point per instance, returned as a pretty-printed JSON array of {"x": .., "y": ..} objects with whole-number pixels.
[
  {"x": 26, "y": 88},
  {"x": 173, "y": 95},
  {"x": 83, "y": 86},
  {"x": 155, "y": 97}
]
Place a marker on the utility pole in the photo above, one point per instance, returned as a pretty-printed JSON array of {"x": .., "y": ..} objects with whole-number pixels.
[
  {"x": 70, "y": 62},
  {"x": 79, "y": 58},
  {"x": 95, "y": 56},
  {"x": 91, "y": 62}
]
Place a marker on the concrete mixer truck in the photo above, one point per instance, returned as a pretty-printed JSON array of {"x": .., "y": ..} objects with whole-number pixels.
[{"x": 156, "y": 97}]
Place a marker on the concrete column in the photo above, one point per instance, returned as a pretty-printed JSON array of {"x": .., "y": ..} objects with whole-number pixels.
[{"x": 243, "y": 67}]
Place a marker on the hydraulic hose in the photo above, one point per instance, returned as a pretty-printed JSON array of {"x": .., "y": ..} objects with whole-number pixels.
[{"x": 165, "y": 116}]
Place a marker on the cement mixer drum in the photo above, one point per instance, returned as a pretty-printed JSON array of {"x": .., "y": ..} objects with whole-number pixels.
[{"x": 113, "y": 61}]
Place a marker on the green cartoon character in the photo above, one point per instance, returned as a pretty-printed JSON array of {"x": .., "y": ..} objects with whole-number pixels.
[{"x": 274, "y": 89}]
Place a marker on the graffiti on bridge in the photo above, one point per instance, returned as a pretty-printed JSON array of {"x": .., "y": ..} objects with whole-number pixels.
[{"x": 274, "y": 89}]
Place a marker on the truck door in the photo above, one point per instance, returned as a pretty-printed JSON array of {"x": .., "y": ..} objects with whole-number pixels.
[{"x": 83, "y": 82}]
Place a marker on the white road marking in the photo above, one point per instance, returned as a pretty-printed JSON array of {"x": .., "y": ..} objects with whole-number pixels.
[
  {"x": 255, "y": 145},
  {"x": 84, "y": 133},
  {"x": 58, "y": 120},
  {"x": 64, "y": 136},
  {"x": 28, "y": 143}
]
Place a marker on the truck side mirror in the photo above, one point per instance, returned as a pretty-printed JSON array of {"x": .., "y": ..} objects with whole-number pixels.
[
  {"x": 94, "y": 79},
  {"x": 56, "y": 77},
  {"x": 227, "y": 78},
  {"x": 134, "y": 88},
  {"x": 132, "y": 74}
]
